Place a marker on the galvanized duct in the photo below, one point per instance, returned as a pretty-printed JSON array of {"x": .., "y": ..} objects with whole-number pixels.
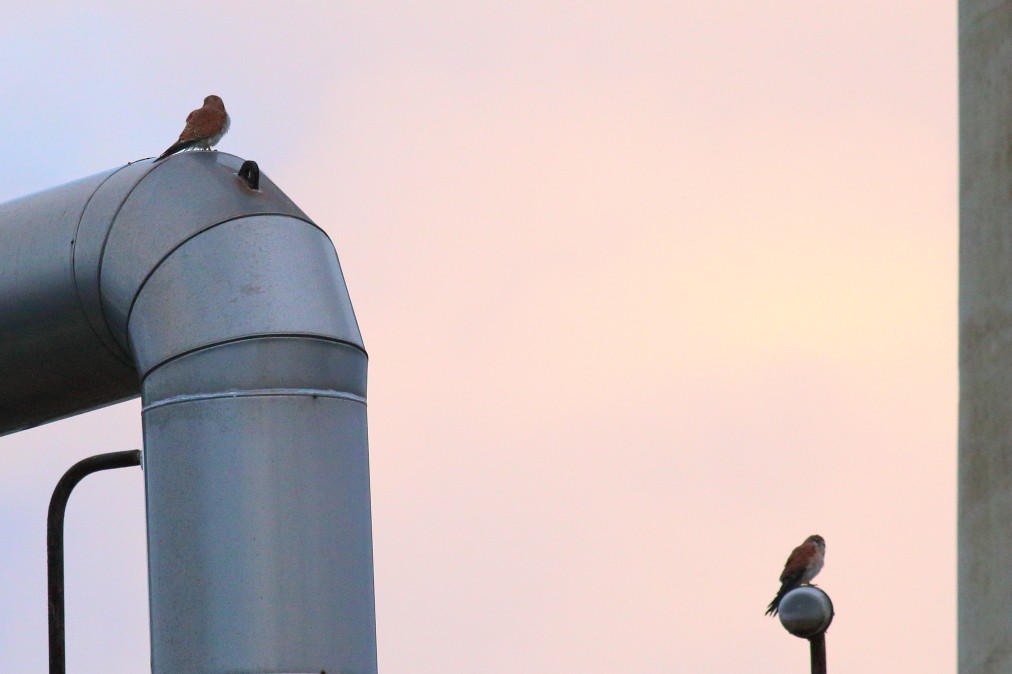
[{"x": 226, "y": 309}]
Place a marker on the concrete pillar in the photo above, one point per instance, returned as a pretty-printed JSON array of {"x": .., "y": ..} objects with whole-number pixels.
[{"x": 985, "y": 337}]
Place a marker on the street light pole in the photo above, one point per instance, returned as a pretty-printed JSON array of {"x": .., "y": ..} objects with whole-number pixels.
[{"x": 807, "y": 612}]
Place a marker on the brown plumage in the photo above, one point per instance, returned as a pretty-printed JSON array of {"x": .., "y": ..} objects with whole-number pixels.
[
  {"x": 805, "y": 562},
  {"x": 204, "y": 127}
]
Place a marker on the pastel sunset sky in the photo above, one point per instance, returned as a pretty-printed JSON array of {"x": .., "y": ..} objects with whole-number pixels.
[{"x": 652, "y": 290}]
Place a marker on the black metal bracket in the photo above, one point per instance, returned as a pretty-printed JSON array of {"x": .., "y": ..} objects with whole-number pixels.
[
  {"x": 54, "y": 545},
  {"x": 250, "y": 172}
]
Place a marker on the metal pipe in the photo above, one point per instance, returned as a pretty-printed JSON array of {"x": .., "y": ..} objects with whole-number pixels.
[
  {"x": 226, "y": 308},
  {"x": 56, "y": 357},
  {"x": 985, "y": 336},
  {"x": 54, "y": 545},
  {"x": 818, "y": 653}
]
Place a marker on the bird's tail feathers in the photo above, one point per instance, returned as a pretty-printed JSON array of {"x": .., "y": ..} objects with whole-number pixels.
[
  {"x": 774, "y": 606},
  {"x": 176, "y": 147}
]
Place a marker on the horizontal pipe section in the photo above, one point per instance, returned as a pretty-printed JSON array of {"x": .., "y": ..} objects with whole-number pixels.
[{"x": 52, "y": 362}]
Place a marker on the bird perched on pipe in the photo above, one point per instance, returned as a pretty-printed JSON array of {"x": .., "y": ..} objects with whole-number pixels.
[
  {"x": 204, "y": 127},
  {"x": 805, "y": 562}
]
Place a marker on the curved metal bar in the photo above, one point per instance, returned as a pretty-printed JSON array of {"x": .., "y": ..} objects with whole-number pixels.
[{"x": 54, "y": 544}]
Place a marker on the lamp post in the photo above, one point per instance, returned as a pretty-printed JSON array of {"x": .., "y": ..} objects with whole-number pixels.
[{"x": 806, "y": 612}]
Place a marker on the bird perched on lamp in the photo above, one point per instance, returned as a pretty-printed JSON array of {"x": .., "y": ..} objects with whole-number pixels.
[
  {"x": 805, "y": 562},
  {"x": 204, "y": 127}
]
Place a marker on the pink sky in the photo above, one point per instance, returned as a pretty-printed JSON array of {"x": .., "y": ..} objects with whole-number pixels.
[{"x": 651, "y": 292}]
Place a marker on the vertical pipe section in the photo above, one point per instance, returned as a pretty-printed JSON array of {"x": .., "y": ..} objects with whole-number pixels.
[
  {"x": 985, "y": 336},
  {"x": 256, "y": 459}
]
